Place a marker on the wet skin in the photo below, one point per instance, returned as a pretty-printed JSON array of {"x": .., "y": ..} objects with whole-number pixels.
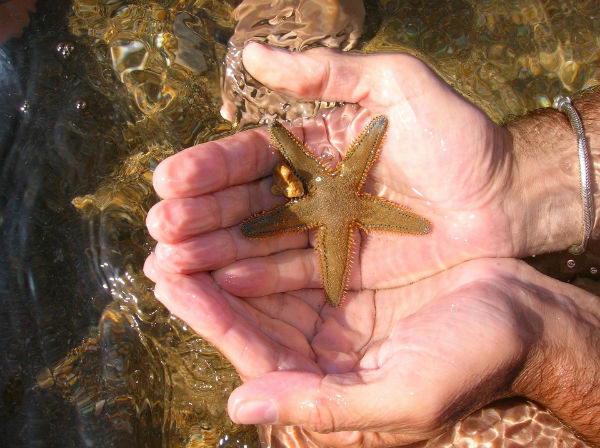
[
  {"x": 333, "y": 204},
  {"x": 420, "y": 351}
]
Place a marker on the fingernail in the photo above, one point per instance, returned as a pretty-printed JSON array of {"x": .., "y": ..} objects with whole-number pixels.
[
  {"x": 253, "y": 43},
  {"x": 256, "y": 412}
]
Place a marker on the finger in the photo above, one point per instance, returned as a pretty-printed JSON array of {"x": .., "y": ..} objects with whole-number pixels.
[
  {"x": 151, "y": 270},
  {"x": 332, "y": 76},
  {"x": 212, "y": 166},
  {"x": 297, "y": 311},
  {"x": 415, "y": 356},
  {"x": 220, "y": 248},
  {"x": 361, "y": 439},
  {"x": 288, "y": 270},
  {"x": 173, "y": 220},
  {"x": 284, "y": 271},
  {"x": 324, "y": 404},
  {"x": 251, "y": 342},
  {"x": 278, "y": 435}
]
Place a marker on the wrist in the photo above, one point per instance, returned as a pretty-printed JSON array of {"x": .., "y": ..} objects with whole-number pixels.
[
  {"x": 588, "y": 107},
  {"x": 562, "y": 371},
  {"x": 544, "y": 195}
]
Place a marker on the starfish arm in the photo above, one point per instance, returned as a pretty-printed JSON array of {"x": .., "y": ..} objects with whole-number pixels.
[
  {"x": 363, "y": 152},
  {"x": 378, "y": 214},
  {"x": 294, "y": 216},
  {"x": 304, "y": 164},
  {"x": 335, "y": 250}
]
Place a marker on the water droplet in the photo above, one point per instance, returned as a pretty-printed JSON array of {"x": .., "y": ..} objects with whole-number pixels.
[
  {"x": 64, "y": 49},
  {"x": 80, "y": 105},
  {"x": 417, "y": 192},
  {"x": 25, "y": 107},
  {"x": 326, "y": 154},
  {"x": 152, "y": 164}
]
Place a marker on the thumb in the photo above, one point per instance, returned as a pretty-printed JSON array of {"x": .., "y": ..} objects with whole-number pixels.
[
  {"x": 336, "y": 402},
  {"x": 327, "y": 75}
]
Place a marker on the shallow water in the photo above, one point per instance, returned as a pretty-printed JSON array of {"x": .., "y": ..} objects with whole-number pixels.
[{"x": 97, "y": 92}]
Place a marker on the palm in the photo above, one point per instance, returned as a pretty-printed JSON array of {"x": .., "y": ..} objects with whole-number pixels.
[
  {"x": 420, "y": 352},
  {"x": 426, "y": 354},
  {"x": 415, "y": 343},
  {"x": 456, "y": 178},
  {"x": 441, "y": 157}
]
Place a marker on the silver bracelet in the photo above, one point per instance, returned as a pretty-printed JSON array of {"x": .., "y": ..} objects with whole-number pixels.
[{"x": 564, "y": 105}]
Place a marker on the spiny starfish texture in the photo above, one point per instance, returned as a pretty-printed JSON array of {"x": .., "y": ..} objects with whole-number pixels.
[{"x": 333, "y": 204}]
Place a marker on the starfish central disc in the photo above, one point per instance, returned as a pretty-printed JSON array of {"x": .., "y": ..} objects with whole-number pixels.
[{"x": 333, "y": 204}]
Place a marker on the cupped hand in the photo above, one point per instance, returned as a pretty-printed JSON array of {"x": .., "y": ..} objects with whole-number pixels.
[
  {"x": 390, "y": 367},
  {"x": 441, "y": 157}
]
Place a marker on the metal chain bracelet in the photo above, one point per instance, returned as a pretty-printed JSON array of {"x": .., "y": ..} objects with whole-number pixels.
[{"x": 565, "y": 105}]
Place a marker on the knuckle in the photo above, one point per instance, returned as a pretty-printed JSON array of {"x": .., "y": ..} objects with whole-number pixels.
[{"x": 214, "y": 212}]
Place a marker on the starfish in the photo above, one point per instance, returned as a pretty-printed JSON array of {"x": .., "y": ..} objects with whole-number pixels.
[{"x": 333, "y": 204}]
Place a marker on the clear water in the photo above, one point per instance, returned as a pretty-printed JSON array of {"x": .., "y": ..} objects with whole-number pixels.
[{"x": 96, "y": 92}]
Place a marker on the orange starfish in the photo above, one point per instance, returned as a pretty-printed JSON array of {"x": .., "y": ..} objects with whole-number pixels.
[{"x": 333, "y": 204}]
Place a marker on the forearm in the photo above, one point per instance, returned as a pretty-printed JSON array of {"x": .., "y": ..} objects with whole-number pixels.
[
  {"x": 545, "y": 194},
  {"x": 563, "y": 369}
]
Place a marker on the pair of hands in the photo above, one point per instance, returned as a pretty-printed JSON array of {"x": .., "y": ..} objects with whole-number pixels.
[{"x": 433, "y": 326}]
